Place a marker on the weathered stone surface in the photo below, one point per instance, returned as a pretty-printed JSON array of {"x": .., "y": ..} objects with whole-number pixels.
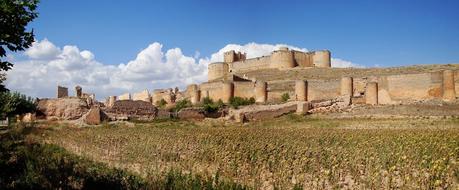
[
  {"x": 95, "y": 116},
  {"x": 259, "y": 112},
  {"x": 303, "y": 107},
  {"x": 163, "y": 114},
  {"x": 192, "y": 113},
  {"x": 62, "y": 108},
  {"x": 28, "y": 117},
  {"x": 132, "y": 109}
]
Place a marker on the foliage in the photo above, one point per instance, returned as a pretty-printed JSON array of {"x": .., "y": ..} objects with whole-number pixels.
[
  {"x": 182, "y": 104},
  {"x": 14, "y": 17},
  {"x": 235, "y": 102},
  {"x": 14, "y": 103},
  {"x": 2, "y": 86},
  {"x": 161, "y": 103},
  {"x": 210, "y": 106},
  {"x": 285, "y": 97}
]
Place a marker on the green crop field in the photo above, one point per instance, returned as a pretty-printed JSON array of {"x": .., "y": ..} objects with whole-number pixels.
[{"x": 289, "y": 152}]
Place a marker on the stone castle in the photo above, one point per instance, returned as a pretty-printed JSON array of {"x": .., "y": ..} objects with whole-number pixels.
[
  {"x": 281, "y": 59},
  {"x": 233, "y": 78}
]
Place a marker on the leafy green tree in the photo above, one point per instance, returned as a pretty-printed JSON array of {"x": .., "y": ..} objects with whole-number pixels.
[
  {"x": 14, "y": 17},
  {"x": 14, "y": 103}
]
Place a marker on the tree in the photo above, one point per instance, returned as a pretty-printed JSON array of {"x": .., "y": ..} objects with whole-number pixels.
[
  {"x": 14, "y": 17},
  {"x": 14, "y": 103},
  {"x": 2, "y": 78}
]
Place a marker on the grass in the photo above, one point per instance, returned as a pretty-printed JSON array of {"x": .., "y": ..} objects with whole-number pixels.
[{"x": 289, "y": 152}]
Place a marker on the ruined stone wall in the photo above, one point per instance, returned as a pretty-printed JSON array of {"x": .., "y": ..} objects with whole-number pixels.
[
  {"x": 125, "y": 96},
  {"x": 144, "y": 96},
  {"x": 165, "y": 94},
  {"x": 62, "y": 92}
]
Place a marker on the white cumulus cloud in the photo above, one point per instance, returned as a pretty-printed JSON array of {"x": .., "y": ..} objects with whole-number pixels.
[{"x": 46, "y": 66}]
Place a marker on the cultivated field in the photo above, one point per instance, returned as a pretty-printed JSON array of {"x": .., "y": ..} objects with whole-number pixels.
[{"x": 288, "y": 152}]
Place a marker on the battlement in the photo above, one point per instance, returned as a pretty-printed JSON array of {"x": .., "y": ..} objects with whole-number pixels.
[
  {"x": 232, "y": 56},
  {"x": 283, "y": 58}
]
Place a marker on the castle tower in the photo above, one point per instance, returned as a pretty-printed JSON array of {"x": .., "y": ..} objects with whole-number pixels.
[
  {"x": 217, "y": 70},
  {"x": 282, "y": 59},
  {"x": 322, "y": 58},
  {"x": 232, "y": 56}
]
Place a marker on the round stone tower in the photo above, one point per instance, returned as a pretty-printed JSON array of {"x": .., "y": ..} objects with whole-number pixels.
[
  {"x": 322, "y": 58},
  {"x": 217, "y": 70},
  {"x": 282, "y": 59}
]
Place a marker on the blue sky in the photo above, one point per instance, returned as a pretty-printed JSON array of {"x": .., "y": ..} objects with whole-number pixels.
[
  {"x": 110, "y": 47},
  {"x": 384, "y": 33}
]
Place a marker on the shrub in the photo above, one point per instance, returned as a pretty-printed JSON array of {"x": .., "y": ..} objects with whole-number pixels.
[
  {"x": 182, "y": 104},
  {"x": 161, "y": 103},
  {"x": 211, "y": 106},
  {"x": 235, "y": 102},
  {"x": 285, "y": 97},
  {"x": 15, "y": 103}
]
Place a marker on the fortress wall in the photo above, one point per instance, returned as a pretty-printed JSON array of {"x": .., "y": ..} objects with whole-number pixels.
[
  {"x": 165, "y": 94},
  {"x": 250, "y": 64},
  {"x": 410, "y": 87},
  {"x": 125, "y": 96},
  {"x": 303, "y": 59},
  {"x": 213, "y": 89},
  {"x": 456, "y": 80},
  {"x": 324, "y": 89},
  {"x": 317, "y": 89},
  {"x": 144, "y": 96},
  {"x": 244, "y": 89}
]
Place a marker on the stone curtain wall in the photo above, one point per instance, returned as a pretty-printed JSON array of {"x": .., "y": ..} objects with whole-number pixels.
[
  {"x": 250, "y": 64},
  {"x": 244, "y": 89}
]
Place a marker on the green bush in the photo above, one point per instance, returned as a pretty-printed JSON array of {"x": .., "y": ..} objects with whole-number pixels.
[
  {"x": 211, "y": 106},
  {"x": 182, "y": 104},
  {"x": 15, "y": 103},
  {"x": 285, "y": 97},
  {"x": 235, "y": 102},
  {"x": 161, "y": 103}
]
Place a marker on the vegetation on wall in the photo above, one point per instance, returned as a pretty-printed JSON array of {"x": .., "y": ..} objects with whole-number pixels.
[
  {"x": 210, "y": 106},
  {"x": 235, "y": 102},
  {"x": 161, "y": 103},
  {"x": 185, "y": 103},
  {"x": 285, "y": 97}
]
